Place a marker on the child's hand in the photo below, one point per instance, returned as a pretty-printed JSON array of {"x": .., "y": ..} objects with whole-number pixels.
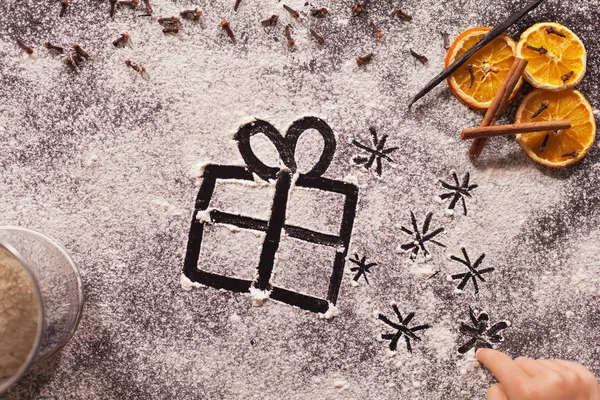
[{"x": 528, "y": 379}]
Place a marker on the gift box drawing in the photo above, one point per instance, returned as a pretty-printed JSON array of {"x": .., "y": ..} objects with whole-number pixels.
[{"x": 285, "y": 178}]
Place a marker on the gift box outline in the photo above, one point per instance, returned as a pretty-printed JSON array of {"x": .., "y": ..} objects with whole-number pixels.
[{"x": 274, "y": 226}]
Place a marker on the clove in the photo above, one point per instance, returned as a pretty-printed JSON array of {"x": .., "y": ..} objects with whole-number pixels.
[
  {"x": 571, "y": 154},
  {"x": 271, "y": 21},
  {"x": 404, "y": 16},
  {"x": 113, "y": 4},
  {"x": 357, "y": 9},
  {"x": 419, "y": 57},
  {"x": 129, "y": 3},
  {"x": 543, "y": 106},
  {"x": 24, "y": 47},
  {"x": 364, "y": 59},
  {"x": 544, "y": 143},
  {"x": 318, "y": 37},
  {"x": 174, "y": 29},
  {"x": 378, "y": 32},
  {"x": 295, "y": 14},
  {"x": 237, "y": 4},
  {"x": 50, "y": 46},
  {"x": 63, "y": 7},
  {"x": 542, "y": 50},
  {"x": 121, "y": 40},
  {"x": 319, "y": 12},
  {"x": 225, "y": 25},
  {"x": 71, "y": 64},
  {"x": 551, "y": 31},
  {"x": 567, "y": 76},
  {"x": 80, "y": 51},
  {"x": 194, "y": 14},
  {"x": 169, "y": 20},
  {"x": 288, "y": 35},
  {"x": 147, "y": 8}
]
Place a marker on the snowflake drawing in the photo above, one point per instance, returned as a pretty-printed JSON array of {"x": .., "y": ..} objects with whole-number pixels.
[
  {"x": 377, "y": 153},
  {"x": 473, "y": 272},
  {"x": 480, "y": 333},
  {"x": 420, "y": 237},
  {"x": 458, "y": 192},
  {"x": 362, "y": 268},
  {"x": 401, "y": 328}
]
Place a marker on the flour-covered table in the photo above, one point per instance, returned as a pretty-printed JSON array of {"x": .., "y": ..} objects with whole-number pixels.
[{"x": 355, "y": 272}]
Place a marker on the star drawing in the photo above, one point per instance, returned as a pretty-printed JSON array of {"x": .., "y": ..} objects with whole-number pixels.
[
  {"x": 377, "y": 153},
  {"x": 420, "y": 237},
  {"x": 362, "y": 268},
  {"x": 402, "y": 329},
  {"x": 458, "y": 191},
  {"x": 473, "y": 273},
  {"x": 481, "y": 334}
]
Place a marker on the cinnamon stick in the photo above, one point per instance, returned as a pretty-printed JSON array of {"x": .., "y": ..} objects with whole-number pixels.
[
  {"x": 505, "y": 130},
  {"x": 499, "y": 103}
]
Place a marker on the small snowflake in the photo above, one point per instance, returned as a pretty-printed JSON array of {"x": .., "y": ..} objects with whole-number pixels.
[
  {"x": 458, "y": 191},
  {"x": 377, "y": 153},
  {"x": 482, "y": 335},
  {"x": 362, "y": 268},
  {"x": 402, "y": 329},
  {"x": 420, "y": 237},
  {"x": 473, "y": 273}
]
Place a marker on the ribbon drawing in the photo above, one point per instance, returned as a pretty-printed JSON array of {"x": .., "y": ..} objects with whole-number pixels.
[{"x": 286, "y": 147}]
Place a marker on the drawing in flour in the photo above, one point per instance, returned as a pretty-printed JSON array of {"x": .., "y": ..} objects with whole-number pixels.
[
  {"x": 480, "y": 333},
  {"x": 472, "y": 273},
  {"x": 401, "y": 328},
  {"x": 458, "y": 192},
  {"x": 284, "y": 179},
  {"x": 420, "y": 237},
  {"x": 362, "y": 268},
  {"x": 377, "y": 153}
]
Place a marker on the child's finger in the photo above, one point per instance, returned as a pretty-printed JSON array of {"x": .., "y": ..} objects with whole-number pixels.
[
  {"x": 496, "y": 392},
  {"x": 508, "y": 373}
]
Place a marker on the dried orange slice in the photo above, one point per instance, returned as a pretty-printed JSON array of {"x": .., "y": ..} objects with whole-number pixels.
[
  {"x": 561, "y": 148},
  {"x": 476, "y": 82},
  {"x": 557, "y": 57}
]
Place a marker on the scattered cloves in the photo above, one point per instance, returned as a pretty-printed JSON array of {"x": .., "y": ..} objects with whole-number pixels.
[
  {"x": 271, "y": 21},
  {"x": 50, "y": 46},
  {"x": 470, "y": 69},
  {"x": 542, "y": 50},
  {"x": 80, "y": 51},
  {"x": 319, "y": 12},
  {"x": 169, "y": 20},
  {"x": 113, "y": 4},
  {"x": 122, "y": 40},
  {"x": 191, "y": 14},
  {"x": 404, "y": 16},
  {"x": 551, "y": 31},
  {"x": 174, "y": 29},
  {"x": 377, "y": 30},
  {"x": 364, "y": 59},
  {"x": 288, "y": 35},
  {"x": 567, "y": 76},
  {"x": 446, "y": 38},
  {"x": 543, "y": 106},
  {"x": 295, "y": 14},
  {"x": 24, "y": 47},
  {"x": 71, "y": 64},
  {"x": 318, "y": 37},
  {"x": 237, "y": 4},
  {"x": 419, "y": 57},
  {"x": 225, "y": 25},
  {"x": 63, "y": 7}
]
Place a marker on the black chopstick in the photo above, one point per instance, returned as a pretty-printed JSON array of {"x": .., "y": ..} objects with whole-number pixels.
[{"x": 491, "y": 35}]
